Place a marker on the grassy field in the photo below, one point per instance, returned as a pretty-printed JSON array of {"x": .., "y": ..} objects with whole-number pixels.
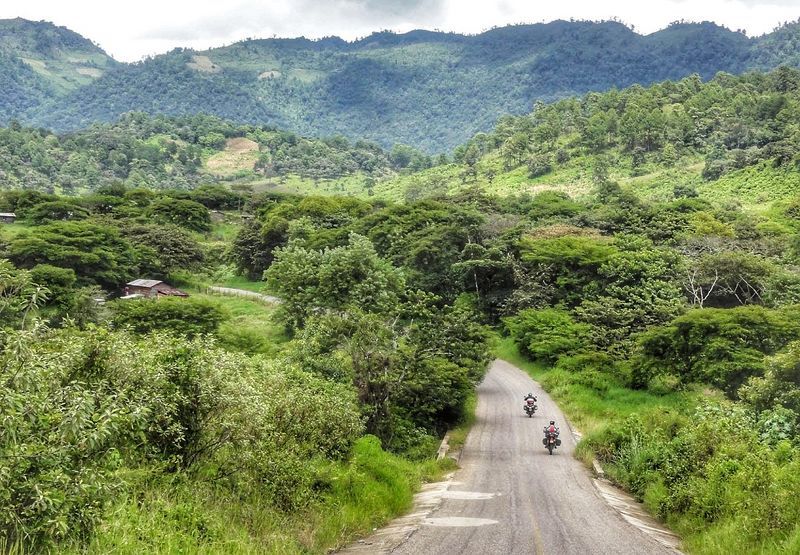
[
  {"x": 240, "y": 155},
  {"x": 250, "y": 325}
]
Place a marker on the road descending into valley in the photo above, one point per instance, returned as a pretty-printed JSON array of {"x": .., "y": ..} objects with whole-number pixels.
[{"x": 511, "y": 497}]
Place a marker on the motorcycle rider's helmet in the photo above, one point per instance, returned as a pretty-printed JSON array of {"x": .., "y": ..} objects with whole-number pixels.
[{"x": 552, "y": 422}]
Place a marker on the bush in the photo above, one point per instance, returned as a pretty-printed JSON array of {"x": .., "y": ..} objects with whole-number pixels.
[
  {"x": 539, "y": 165},
  {"x": 546, "y": 335},
  {"x": 589, "y": 361},
  {"x": 721, "y": 347},
  {"x": 85, "y": 408},
  {"x": 63, "y": 425},
  {"x": 708, "y": 473},
  {"x": 189, "y": 317}
]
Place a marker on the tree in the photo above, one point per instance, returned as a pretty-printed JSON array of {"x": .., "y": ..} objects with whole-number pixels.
[
  {"x": 184, "y": 213},
  {"x": 59, "y": 282},
  {"x": 548, "y": 334},
  {"x": 721, "y": 347},
  {"x": 637, "y": 288},
  {"x": 780, "y": 384},
  {"x": 164, "y": 248},
  {"x": 217, "y": 197},
  {"x": 98, "y": 254},
  {"x": 58, "y": 210},
  {"x": 337, "y": 278}
]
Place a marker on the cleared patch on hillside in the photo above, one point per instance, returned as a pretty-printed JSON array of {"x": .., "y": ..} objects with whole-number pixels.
[
  {"x": 306, "y": 75},
  {"x": 270, "y": 74},
  {"x": 240, "y": 155},
  {"x": 90, "y": 71},
  {"x": 203, "y": 64},
  {"x": 38, "y": 65}
]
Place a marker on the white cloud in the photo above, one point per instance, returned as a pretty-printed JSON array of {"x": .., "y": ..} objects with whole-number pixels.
[{"x": 131, "y": 30}]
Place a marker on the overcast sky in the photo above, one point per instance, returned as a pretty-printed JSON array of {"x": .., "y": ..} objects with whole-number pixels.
[{"x": 132, "y": 29}]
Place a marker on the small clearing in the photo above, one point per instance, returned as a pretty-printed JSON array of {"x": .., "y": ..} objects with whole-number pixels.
[
  {"x": 271, "y": 74},
  {"x": 37, "y": 65},
  {"x": 240, "y": 154},
  {"x": 90, "y": 71},
  {"x": 203, "y": 64}
]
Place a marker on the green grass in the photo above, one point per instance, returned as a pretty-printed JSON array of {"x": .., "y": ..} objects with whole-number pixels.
[
  {"x": 250, "y": 327},
  {"x": 241, "y": 282},
  {"x": 186, "y": 515}
]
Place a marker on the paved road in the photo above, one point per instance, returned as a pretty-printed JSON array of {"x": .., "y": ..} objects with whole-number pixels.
[{"x": 512, "y": 497}]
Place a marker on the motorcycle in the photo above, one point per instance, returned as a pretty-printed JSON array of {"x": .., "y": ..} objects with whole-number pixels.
[
  {"x": 551, "y": 440},
  {"x": 530, "y": 407}
]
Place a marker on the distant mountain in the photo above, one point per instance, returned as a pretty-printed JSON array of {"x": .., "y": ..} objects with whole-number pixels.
[
  {"x": 39, "y": 62},
  {"x": 428, "y": 89}
]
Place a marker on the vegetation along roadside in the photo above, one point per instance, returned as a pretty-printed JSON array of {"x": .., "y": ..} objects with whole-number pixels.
[{"x": 657, "y": 300}]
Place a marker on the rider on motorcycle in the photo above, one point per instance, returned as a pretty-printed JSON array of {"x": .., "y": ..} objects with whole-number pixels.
[
  {"x": 551, "y": 429},
  {"x": 530, "y": 396}
]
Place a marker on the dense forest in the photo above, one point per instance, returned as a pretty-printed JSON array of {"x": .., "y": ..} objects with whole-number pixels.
[
  {"x": 731, "y": 138},
  {"x": 159, "y": 152},
  {"x": 430, "y": 90},
  {"x": 641, "y": 261}
]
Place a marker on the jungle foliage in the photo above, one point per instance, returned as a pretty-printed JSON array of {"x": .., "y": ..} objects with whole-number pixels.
[{"x": 430, "y": 90}]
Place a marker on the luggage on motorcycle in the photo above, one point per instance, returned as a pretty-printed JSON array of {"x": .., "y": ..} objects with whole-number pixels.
[
  {"x": 544, "y": 442},
  {"x": 558, "y": 442}
]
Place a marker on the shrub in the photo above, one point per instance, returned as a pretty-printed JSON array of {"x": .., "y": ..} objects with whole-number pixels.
[
  {"x": 721, "y": 347},
  {"x": 545, "y": 335},
  {"x": 184, "y": 316},
  {"x": 63, "y": 425},
  {"x": 59, "y": 281},
  {"x": 589, "y": 361},
  {"x": 83, "y": 408}
]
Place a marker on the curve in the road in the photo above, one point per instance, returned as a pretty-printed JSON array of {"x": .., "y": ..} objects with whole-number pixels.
[{"x": 512, "y": 497}]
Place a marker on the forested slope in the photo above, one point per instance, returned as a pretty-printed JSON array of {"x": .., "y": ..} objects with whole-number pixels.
[
  {"x": 40, "y": 61},
  {"x": 729, "y": 139},
  {"x": 430, "y": 90},
  {"x": 183, "y": 153}
]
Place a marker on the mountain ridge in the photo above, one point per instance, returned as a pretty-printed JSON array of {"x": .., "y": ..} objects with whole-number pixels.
[{"x": 429, "y": 89}]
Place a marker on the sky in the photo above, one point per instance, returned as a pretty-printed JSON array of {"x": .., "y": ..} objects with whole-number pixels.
[{"x": 134, "y": 29}]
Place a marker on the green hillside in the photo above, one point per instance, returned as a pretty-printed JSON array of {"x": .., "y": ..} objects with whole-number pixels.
[
  {"x": 40, "y": 61},
  {"x": 141, "y": 151},
  {"x": 636, "y": 250},
  {"x": 431, "y": 90},
  {"x": 730, "y": 139}
]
